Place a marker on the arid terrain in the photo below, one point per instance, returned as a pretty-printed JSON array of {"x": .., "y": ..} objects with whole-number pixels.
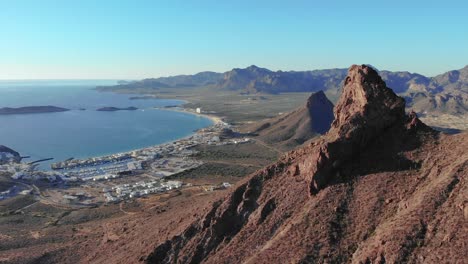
[
  {"x": 379, "y": 187},
  {"x": 442, "y": 100},
  {"x": 36, "y": 229},
  {"x": 226, "y": 132}
]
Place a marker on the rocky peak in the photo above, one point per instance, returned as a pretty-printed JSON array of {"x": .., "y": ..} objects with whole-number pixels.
[
  {"x": 317, "y": 98},
  {"x": 368, "y": 135},
  {"x": 366, "y": 111},
  {"x": 320, "y": 111},
  {"x": 366, "y": 102},
  {"x": 254, "y": 68}
]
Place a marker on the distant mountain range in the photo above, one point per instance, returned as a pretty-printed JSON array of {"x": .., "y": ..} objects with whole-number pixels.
[
  {"x": 445, "y": 93},
  {"x": 201, "y": 79}
]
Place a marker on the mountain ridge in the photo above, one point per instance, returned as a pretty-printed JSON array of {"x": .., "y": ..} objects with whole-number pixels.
[
  {"x": 379, "y": 187},
  {"x": 444, "y": 93}
]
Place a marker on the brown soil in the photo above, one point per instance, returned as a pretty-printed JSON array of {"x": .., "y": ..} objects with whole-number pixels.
[{"x": 379, "y": 187}]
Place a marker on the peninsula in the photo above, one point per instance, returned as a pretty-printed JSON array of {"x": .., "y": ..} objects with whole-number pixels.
[{"x": 31, "y": 110}]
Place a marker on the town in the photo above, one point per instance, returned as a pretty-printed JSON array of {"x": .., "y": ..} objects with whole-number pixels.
[{"x": 122, "y": 176}]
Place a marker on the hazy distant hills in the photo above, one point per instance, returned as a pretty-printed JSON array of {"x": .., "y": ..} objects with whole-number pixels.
[
  {"x": 445, "y": 93},
  {"x": 201, "y": 79},
  {"x": 197, "y": 80},
  {"x": 254, "y": 80}
]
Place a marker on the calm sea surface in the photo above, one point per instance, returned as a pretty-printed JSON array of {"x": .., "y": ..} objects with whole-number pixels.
[{"x": 86, "y": 133}]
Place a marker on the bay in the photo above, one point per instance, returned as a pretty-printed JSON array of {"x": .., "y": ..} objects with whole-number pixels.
[{"x": 86, "y": 133}]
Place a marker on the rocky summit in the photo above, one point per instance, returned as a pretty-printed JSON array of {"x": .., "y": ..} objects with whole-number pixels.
[{"x": 378, "y": 187}]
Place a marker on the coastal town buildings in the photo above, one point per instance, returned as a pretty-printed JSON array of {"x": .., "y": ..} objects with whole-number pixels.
[{"x": 120, "y": 176}]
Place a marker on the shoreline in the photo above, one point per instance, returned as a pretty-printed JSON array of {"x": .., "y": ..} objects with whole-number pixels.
[
  {"x": 216, "y": 121},
  {"x": 127, "y": 174},
  {"x": 213, "y": 118}
]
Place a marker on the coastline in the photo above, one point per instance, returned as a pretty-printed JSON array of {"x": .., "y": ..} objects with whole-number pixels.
[
  {"x": 216, "y": 123},
  {"x": 127, "y": 174},
  {"x": 181, "y": 109},
  {"x": 178, "y": 107}
]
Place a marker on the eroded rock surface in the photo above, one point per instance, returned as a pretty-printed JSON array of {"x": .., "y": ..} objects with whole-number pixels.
[{"x": 379, "y": 187}]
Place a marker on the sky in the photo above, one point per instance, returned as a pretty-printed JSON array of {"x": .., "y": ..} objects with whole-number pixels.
[{"x": 138, "y": 39}]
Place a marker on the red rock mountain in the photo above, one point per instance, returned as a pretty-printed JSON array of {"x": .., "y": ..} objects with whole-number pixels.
[
  {"x": 379, "y": 187},
  {"x": 294, "y": 128}
]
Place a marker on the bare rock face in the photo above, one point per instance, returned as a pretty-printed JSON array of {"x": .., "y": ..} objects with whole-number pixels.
[
  {"x": 367, "y": 105},
  {"x": 365, "y": 110},
  {"x": 371, "y": 190}
]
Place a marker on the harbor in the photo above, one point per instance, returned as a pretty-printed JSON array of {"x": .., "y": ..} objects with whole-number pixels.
[{"x": 123, "y": 176}]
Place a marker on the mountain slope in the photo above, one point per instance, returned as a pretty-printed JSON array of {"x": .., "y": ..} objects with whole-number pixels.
[
  {"x": 456, "y": 80},
  {"x": 294, "y": 128},
  {"x": 379, "y": 187}
]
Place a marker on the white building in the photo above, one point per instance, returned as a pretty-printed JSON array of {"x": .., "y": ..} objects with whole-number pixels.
[{"x": 198, "y": 110}]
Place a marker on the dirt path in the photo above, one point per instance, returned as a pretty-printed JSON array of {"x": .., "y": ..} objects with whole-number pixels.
[
  {"x": 123, "y": 210},
  {"x": 261, "y": 142}
]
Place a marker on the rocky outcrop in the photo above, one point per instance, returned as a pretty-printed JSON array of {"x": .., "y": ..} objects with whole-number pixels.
[
  {"x": 8, "y": 155},
  {"x": 320, "y": 110},
  {"x": 365, "y": 110},
  {"x": 368, "y": 191},
  {"x": 296, "y": 127}
]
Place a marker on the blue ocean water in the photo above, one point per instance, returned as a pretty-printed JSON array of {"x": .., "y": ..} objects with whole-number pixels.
[{"x": 86, "y": 133}]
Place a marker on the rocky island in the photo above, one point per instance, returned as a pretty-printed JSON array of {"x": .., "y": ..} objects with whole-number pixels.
[
  {"x": 112, "y": 109},
  {"x": 31, "y": 110}
]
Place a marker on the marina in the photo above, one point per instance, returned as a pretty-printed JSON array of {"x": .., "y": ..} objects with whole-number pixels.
[{"x": 127, "y": 175}]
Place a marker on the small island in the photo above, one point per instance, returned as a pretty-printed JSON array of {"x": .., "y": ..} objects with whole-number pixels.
[
  {"x": 31, "y": 110},
  {"x": 144, "y": 97},
  {"x": 112, "y": 109}
]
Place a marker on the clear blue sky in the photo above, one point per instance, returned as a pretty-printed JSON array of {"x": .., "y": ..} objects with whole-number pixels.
[{"x": 43, "y": 39}]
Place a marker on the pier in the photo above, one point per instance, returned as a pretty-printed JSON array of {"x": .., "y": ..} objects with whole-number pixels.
[{"x": 41, "y": 160}]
